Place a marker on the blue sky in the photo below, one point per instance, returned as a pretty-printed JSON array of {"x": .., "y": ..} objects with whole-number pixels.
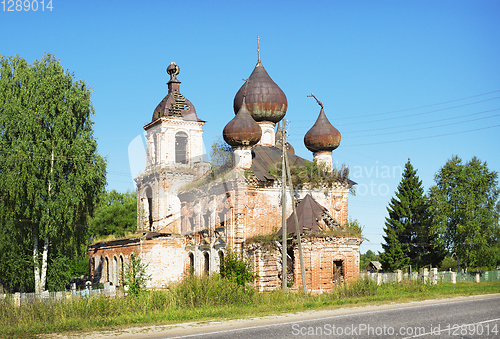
[{"x": 399, "y": 79}]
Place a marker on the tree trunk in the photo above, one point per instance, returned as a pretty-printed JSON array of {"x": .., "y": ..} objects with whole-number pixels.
[
  {"x": 40, "y": 270},
  {"x": 36, "y": 264}
]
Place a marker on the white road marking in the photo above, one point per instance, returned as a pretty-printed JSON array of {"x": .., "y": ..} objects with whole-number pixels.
[{"x": 331, "y": 317}]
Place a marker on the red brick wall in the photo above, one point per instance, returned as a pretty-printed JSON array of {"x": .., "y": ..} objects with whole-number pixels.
[{"x": 319, "y": 257}]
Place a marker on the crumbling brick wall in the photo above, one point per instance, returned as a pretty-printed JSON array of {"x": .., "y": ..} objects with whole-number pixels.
[{"x": 328, "y": 261}]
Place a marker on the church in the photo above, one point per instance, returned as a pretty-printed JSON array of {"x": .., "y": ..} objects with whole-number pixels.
[{"x": 190, "y": 214}]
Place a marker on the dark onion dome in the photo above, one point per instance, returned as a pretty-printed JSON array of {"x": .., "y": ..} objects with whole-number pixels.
[
  {"x": 242, "y": 130},
  {"x": 265, "y": 100},
  {"x": 322, "y": 136},
  {"x": 175, "y": 105}
]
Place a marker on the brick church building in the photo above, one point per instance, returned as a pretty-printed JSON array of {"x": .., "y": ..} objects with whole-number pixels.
[{"x": 188, "y": 216}]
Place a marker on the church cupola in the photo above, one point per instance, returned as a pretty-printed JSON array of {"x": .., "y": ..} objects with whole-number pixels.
[
  {"x": 265, "y": 101},
  {"x": 174, "y": 136},
  {"x": 175, "y": 105},
  {"x": 242, "y": 132},
  {"x": 322, "y": 138}
]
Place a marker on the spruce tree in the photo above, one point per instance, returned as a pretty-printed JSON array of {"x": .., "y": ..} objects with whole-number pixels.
[{"x": 406, "y": 228}]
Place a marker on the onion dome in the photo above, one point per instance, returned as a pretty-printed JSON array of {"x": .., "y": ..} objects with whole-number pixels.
[
  {"x": 175, "y": 105},
  {"x": 264, "y": 99},
  {"x": 322, "y": 136},
  {"x": 279, "y": 140},
  {"x": 242, "y": 130}
]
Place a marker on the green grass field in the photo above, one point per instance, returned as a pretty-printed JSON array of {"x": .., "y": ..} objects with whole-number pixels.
[{"x": 203, "y": 298}]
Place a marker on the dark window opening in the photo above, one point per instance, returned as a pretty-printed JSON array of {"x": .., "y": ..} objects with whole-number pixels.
[
  {"x": 181, "y": 140},
  {"x": 191, "y": 263},
  {"x": 338, "y": 272},
  {"x": 121, "y": 269},
  {"x": 290, "y": 264},
  {"x": 206, "y": 269},
  {"x": 107, "y": 269},
  {"x": 149, "y": 196}
]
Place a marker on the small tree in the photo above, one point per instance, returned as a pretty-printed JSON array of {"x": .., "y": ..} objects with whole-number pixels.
[
  {"x": 234, "y": 267},
  {"x": 135, "y": 276}
]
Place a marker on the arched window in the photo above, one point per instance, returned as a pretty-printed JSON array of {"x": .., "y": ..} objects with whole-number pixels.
[
  {"x": 115, "y": 271},
  {"x": 191, "y": 263},
  {"x": 181, "y": 140},
  {"x": 92, "y": 268},
  {"x": 121, "y": 269},
  {"x": 147, "y": 205},
  {"x": 221, "y": 260},
  {"x": 107, "y": 269},
  {"x": 206, "y": 268}
]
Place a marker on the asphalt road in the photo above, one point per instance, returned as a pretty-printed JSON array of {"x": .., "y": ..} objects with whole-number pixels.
[{"x": 464, "y": 317}]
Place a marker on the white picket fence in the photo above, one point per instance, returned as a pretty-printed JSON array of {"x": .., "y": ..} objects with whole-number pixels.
[
  {"x": 29, "y": 298},
  {"x": 433, "y": 276}
]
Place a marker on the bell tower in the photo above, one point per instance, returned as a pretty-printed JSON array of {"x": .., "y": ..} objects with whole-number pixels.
[{"x": 174, "y": 151}]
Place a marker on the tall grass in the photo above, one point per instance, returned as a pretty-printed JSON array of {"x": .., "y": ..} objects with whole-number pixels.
[{"x": 202, "y": 298}]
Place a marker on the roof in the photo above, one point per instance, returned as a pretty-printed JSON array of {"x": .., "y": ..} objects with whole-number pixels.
[
  {"x": 264, "y": 157},
  {"x": 174, "y": 104},
  {"x": 376, "y": 264},
  {"x": 309, "y": 213}
]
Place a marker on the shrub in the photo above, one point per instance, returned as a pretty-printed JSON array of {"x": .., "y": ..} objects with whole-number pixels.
[
  {"x": 135, "y": 276},
  {"x": 236, "y": 268}
]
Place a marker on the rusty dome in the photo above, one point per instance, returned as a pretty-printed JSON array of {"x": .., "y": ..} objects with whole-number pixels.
[
  {"x": 264, "y": 98},
  {"x": 174, "y": 104},
  {"x": 242, "y": 130},
  {"x": 322, "y": 136}
]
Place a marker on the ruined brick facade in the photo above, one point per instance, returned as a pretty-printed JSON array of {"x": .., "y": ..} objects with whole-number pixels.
[{"x": 188, "y": 217}]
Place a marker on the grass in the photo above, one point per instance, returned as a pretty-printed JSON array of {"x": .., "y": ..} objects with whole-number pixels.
[{"x": 206, "y": 298}]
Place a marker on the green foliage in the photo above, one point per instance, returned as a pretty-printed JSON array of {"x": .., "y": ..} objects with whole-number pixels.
[
  {"x": 116, "y": 214},
  {"x": 135, "y": 276},
  {"x": 236, "y": 268},
  {"x": 447, "y": 264},
  {"x": 50, "y": 172},
  {"x": 314, "y": 175},
  {"x": 267, "y": 241},
  {"x": 353, "y": 226},
  {"x": 221, "y": 155},
  {"x": 16, "y": 262},
  {"x": 195, "y": 291},
  {"x": 209, "y": 297},
  {"x": 464, "y": 208},
  {"x": 365, "y": 259},
  {"x": 362, "y": 287},
  {"x": 407, "y": 238}
]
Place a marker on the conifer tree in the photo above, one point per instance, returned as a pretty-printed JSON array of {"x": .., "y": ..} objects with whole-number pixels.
[{"x": 407, "y": 238}]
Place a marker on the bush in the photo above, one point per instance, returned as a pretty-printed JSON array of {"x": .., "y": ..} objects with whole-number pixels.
[
  {"x": 195, "y": 291},
  {"x": 447, "y": 264},
  {"x": 236, "y": 268},
  {"x": 135, "y": 276}
]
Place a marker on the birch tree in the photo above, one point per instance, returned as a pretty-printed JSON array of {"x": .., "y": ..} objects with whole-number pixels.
[
  {"x": 464, "y": 206},
  {"x": 50, "y": 172}
]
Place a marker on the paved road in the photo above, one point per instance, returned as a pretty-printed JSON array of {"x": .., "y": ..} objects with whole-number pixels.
[{"x": 465, "y": 317}]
